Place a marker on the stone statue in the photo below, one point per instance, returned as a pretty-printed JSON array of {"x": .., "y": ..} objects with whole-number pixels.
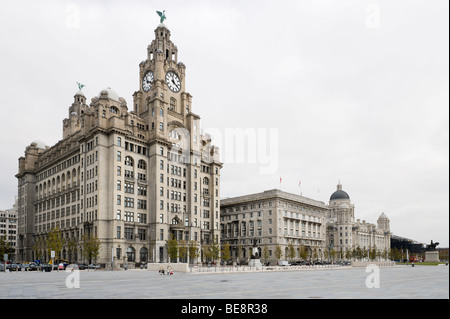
[
  {"x": 255, "y": 254},
  {"x": 432, "y": 246},
  {"x": 162, "y": 15}
]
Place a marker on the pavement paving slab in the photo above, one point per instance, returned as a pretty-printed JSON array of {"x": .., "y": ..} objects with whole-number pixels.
[{"x": 401, "y": 282}]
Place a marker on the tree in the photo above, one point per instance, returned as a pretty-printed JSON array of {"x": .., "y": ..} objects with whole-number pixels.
[
  {"x": 193, "y": 251},
  {"x": 182, "y": 250},
  {"x": 315, "y": 254},
  {"x": 38, "y": 247},
  {"x": 278, "y": 252},
  {"x": 303, "y": 252},
  {"x": 291, "y": 251},
  {"x": 4, "y": 246},
  {"x": 172, "y": 248},
  {"x": 91, "y": 247},
  {"x": 225, "y": 252},
  {"x": 239, "y": 253},
  {"x": 215, "y": 250},
  {"x": 348, "y": 254},
  {"x": 71, "y": 247},
  {"x": 333, "y": 254},
  {"x": 359, "y": 253},
  {"x": 207, "y": 252},
  {"x": 55, "y": 242},
  {"x": 326, "y": 254},
  {"x": 265, "y": 253}
]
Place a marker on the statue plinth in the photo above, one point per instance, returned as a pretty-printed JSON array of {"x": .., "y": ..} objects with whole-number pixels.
[
  {"x": 255, "y": 263},
  {"x": 432, "y": 256}
]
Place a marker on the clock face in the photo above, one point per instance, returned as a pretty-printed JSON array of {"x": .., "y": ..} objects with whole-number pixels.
[
  {"x": 147, "y": 81},
  {"x": 173, "y": 81}
]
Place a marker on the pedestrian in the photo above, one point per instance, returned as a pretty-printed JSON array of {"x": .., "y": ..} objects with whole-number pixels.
[
  {"x": 161, "y": 270},
  {"x": 169, "y": 270}
]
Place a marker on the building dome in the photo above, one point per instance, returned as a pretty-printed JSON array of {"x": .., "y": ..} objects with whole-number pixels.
[
  {"x": 339, "y": 194},
  {"x": 39, "y": 144},
  {"x": 110, "y": 94}
]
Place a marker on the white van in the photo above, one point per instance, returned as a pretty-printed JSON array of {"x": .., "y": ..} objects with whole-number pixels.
[{"x": 283, "y": 263}]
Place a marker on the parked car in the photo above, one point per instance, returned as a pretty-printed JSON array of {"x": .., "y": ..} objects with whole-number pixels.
[
  {"x": 283, "y": 263},
  {"x": 13, "y": 267},
  {"x": 32, "y": 267},
  {"x": 92, "y": 266},
  {"x": 46, "y": 267}
]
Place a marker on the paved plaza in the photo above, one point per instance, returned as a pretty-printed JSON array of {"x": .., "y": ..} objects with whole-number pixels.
[{"x": 394, "y": 282}]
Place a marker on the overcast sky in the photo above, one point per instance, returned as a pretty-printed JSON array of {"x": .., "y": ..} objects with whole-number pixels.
[{"x": 356, "y": 91}]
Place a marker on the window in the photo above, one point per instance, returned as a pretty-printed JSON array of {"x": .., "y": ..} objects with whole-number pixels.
[
  {"x": 143, "y": 251},
  {"x": 129, "y": 188},
  {"x": 142, "y": 218},
  {"x": 128, "y": 233},
  {"x": 119, "y": 156},
  {"x": 119, "y": 141},
  {"x": 173, "y": 104},
  {"x": 129, "y": 202},
  {"x": 129, "y": 161},
  {"x": 129, "y": 216},
  {"x": 142, "y": 164},
  {"x": 142, "y": 190}
]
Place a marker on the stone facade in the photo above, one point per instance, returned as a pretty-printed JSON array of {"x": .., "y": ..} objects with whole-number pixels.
[
  {"x": 273, "y": 219},
  {"x": 344, "y": 233},
  {"x": 276, "y": 218},
  {"x": 132, "y": 178},
  {"x": 8, "y": 228}
]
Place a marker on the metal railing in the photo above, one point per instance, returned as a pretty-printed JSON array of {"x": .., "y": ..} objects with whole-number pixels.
[{"x": 227, "y": 269}]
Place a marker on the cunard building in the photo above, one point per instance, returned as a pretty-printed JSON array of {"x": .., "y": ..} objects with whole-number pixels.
[
  {"x": 132, "y": 176},
  {"x": 275, "y": 219}
]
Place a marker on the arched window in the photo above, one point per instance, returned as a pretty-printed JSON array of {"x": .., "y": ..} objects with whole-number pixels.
[
  {"x": 205, "y": 181},
  {"x": 143, "y": 254},
  {"x": 129, "y": 161}
]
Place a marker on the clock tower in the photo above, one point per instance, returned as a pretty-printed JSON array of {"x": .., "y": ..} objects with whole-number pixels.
[
  {"x": 184, "y": 168},
  {"x": 162, "y": 98}
]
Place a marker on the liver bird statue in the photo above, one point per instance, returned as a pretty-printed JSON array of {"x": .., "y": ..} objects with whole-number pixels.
[
  {"x": 80, "y": 86},
  {"x": 162, "y": 15}
]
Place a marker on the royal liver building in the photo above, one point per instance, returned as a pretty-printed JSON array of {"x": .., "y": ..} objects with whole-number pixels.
[{"x": 131, "y": 176}]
